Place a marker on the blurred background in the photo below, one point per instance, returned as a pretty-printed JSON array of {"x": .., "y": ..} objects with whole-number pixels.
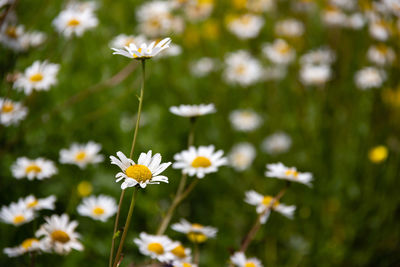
[{"x": 332, "y": 119}]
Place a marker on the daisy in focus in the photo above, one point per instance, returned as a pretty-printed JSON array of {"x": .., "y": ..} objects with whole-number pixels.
[
  {"x": 263, "y": 204},
  {"x": 146, "y": 171},
  {"x": 31, "y": 202},
  {"x": 40, "y": 77},
  {"x": 16, "y": 214},
  {"x": 143, "y": 51},
  {"x": 242, "y": 156},
  {"x": 11, "y": 113},
  {"x": 193, "y": 110},
  {"x": 280, "y": 171},
  {"x": 276, "y": 143},
  {"x": 240, "y": 260},
  {"x": 155, "y": 246},
  {"x": 246, "y": 26},
  {"x": 245, "y": 120},
  {"x": 39, "y": 168},
  {"x": 199, "y": 161},
  {"x": 98, "y": 208},
  {"x": 242, "y": 69},
  {"x": 195, "y": 232},
  {"x": 369, "y": 77},
  {"x": 28, "y": 245},
  {"x": 82, "y": 154},
  {"x": 59, "y": 234},
  {"x": 279, "y": 52}
]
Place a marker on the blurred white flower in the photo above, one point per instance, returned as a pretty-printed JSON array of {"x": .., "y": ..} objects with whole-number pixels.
[
  {"x": 31, "y": 202},
  {"x": 333, "y": 16},
  {"x": 245, "y": 120},
  {"x": 143, "y": 51},
  {"x": 344, "y": 4},
  {"x": 82, "y": 154},
  {"x": 381, "y": 54},
  {"x": 16, "y": 38},
  {"x": 393, "y": 6},
  {"x": 379, "y": 29},
  {"x": 246, "y": 26},
  {"x": 279, "y": 52},
  {"x": 11, "y": 113},
  {"x": 202, "y": 66},
  {"x": 315, "y": 74},
  {"x": 28, "y": 245},
  {"x": 280, "y": 171},
  {"x": 39, "y": 168},
  {"x": 289, "y": 28},
  {"x": 16, "y": 214},
  {"x": 184, "y": 264},
  {"x": 173, "y": 51},
  {"x": 276, "y": 143},
  {"x": 98, "y": 208},
  {"x": 320, "y": 56},
  {"x": 155, "y": 246},
  {"x": 369, "y": 77},
  {"x": 242, "y": 156},
  {"x": 259, "y": 6},
  {"x": 242, "y": 68},
  {"x": 193, "y": 110},
  {"x": 122, "y": 40},
  {"x": 196, "y": 10},
  {"x": 240, "y": 260},
  {"x": 355, "y": 21},
  {"x": 195, "y": 232}
]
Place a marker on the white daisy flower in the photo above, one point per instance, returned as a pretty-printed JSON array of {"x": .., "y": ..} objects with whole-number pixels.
[
  {"x": 155, "y": 246},
  {"x": 123, "y": 40},
  {"x": 193, "y": 110},
  {"x": 197, "y": 10},
  {"x": 320, "y": 56},
  {"x": 40, "y": 77},
  {"x": 276, "y": 143},
  {"x": 369, "y": 77},
  {"x": 280, "y": 171},
  {"x": 59, "y": 234},
  {"x": 184, "y": 264},
  {"x": 355, "y": 21},
  {"x": 240, "y": 260},
  {"x": 75, "y": 20},
  {"x": 316, "y": 75},
  {"x": 199, "y": 161},
  {"x": 381, "y": 55},
  {"x": 393, "y": 6},
  {"x": 173, "y": 51},
  {"x": 15, "y": 37},
  {"x": 344, "y": 4},
  {"x": 39, "y": 168},
  {"x": 146, "y": 171},
  {"x": 82, "y": 154},
  {"x": 289, "y": 28},
  {"x": 16, "y": 214},
  {"x": 260, "y": 6},
  {"x": 379, "y": 29},
  {"x": 245, "y": 120},
  {"x": 31, "y": 202},
  {"x": 143, "y": 51},
  {"x": 246, "y": 26},
  {"x": 242, "y": 156},
  {"x": 242, "y": 68},
  {"x": 263, "y": 203},
  {"x": 202, "y": 66},
  {"x": 98, "y": 208},
  {"x": 28, "y": 245},
  {"x": 279, "y": 52},
  {"x": 195, "y": 232},
  {"x": 333, "y": 16},
  {"x": 180, "y": 253},
  {"x": 11, "y": 113}
]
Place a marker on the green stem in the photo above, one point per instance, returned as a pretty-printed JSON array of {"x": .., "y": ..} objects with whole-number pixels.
[
  {"x": 196, "y": 253},
  {"x": 115, "y": 228}
]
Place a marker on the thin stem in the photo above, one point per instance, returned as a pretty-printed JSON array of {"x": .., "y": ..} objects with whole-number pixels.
[
  {"x": 196, "y": 253},
  {"x": 32, "y": 255},
  {"x": 115, "y": 228},
  {"x": 126, "y": 227}
]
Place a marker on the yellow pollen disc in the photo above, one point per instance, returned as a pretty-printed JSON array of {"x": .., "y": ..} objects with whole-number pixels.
[
  {"x": 7, "y": 107},
  {"x": 156, "y": 248},
  {"x": 12, "y": 32},
  {"x": 33, "y": 168},
  {"x": 80, "y": 156},
  {"x": 98, "y": 211},
  {"x": 73, "y": 22},
  {"x": 197, "y": 237},
  {"x": 139, "y": 172},
  {"x": 179, "y": 251},
  {"x": 60, "y": 236},
  {"x": 267, "y": 201},
  {"x": 33, "y": 203},
  {"x": 283, "y": 49},
  {"x": 28, "y": 242},
  {"x": 240, "y": 70},
  {"x": 249, "y": 264},
  {"x": 36, "y": 77},
  {"x": 84, "y": 188},
  {"x": 201, "y": 162},
  {"x": 291, "y": 173},
  {"x": 185, "y": 264},
  {"x": 19, "y": 219}
]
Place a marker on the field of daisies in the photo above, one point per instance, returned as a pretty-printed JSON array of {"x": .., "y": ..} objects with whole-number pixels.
[{"x": 190, "y": 133}]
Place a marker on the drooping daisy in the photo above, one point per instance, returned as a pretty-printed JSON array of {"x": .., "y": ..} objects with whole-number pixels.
[
  {"x": 11, "y": 113},
  {"x": 193, "y": 110},
  {"x": 28, "y": 245},
  {"x": 199, "y": 161},
  {"x": 31, "y": 202},
  {"x": 98, "y": 208},
  {"x": 82, "y": 154},
  {"x": 195, "y": 232},
  {"x": 123, "y": 40},
  {"x": 264, "y": 202},
  {"x": 40, "y": 77},
  {"x": 180, "y": 253},
  {"x": 245, "y": 120},
  {"x": 381, "y": 54},
  {"x": 143, "y": 51},
  {"x": 289, "y": 28},
  {"x": 279, "y": 52},
  {"x": 39, "y": 168},
  {"x": 155, "y": 246},
  {"x": 369, "y": 77},
  {"x": 16, "y": 214},
  {"x": 146, "y": 171},
  {"x": 242, "y": 68},
  {"x": 240, "y": 260},
  {"x": 242, "y": 156},
  {"x": 246, "y": 26},
  {"x": 280, "y": 171},
  {"x": 59, "y": 234},
  {"x": 75, "y": 20},
  {"x": 276, "y": 143},
  {"x": 203, "y": 66},
  {"x": 316, "y": 75}
]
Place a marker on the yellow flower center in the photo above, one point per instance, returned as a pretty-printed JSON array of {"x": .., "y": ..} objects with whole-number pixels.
[
  {"x": 179, "y": 251},
  {"x": 293, "y": 173},
  {"x": 32, "y": 203},
  {"x": 80, "y": 156},
  {"x": 240, "y": 69},
  {"x": 267, "y": 201},
  {"x": 19, "y": 219},
  {"x": 12, "y": 32},
  {"x": 156, "y": 248},
  {"x": 84, "y": 188},
  {"x": 283, "y": 48},
  {"x": 378, "y": 154},
  {"x": 60, "y": 236},
  {"x": 98, "y": 211},
  {"x": 7, "y": 107},
  {"x": 197, "y": 237},
  {"x": 27, "y": 243},
  {"x": 33, "y": 168},
  {"x": 139, "y": 172},
  {"x": 185, "y": 264},
  {"x": 201, "y": 162},
  {"x": 73, "y": 22},
  {"x": 249, "y": 264},
  {"x": 36, "y": 77}
]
